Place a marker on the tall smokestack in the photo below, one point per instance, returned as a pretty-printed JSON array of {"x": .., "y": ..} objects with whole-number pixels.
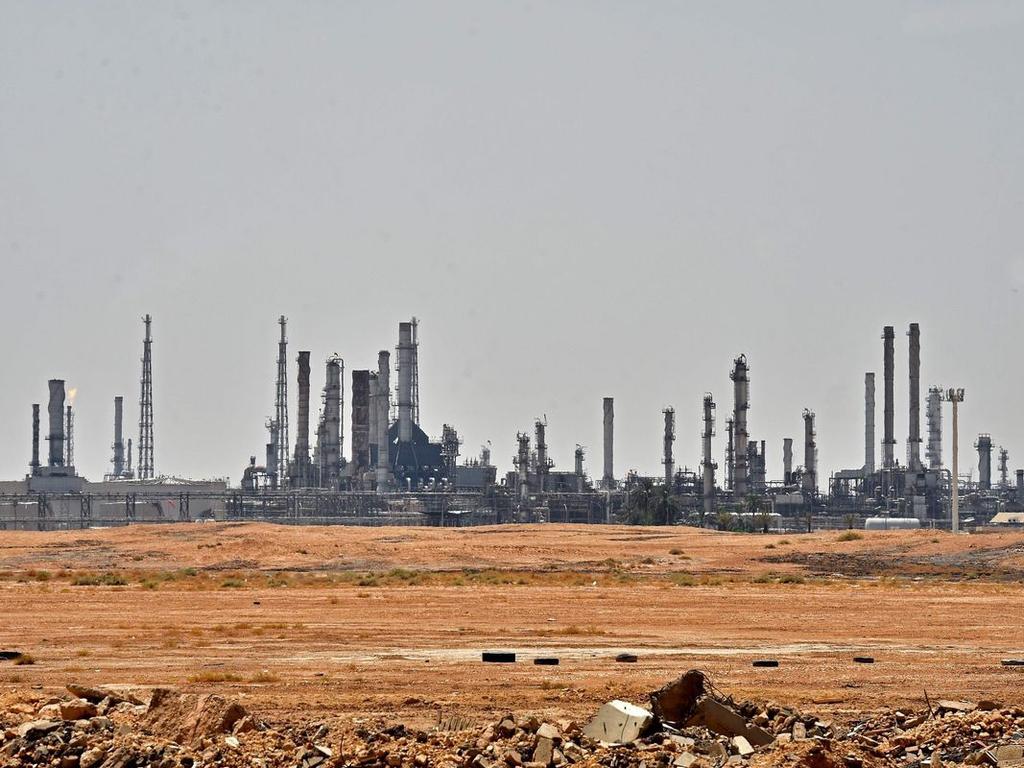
[
  {"x": 579, "y": 468},
  {"x": 869, "y": 423},
  {"x": 302, "y": 467},
  {"x": 405, "y": 382},
  {"x": 730, "y": 454},
  {"x": 1020, "y": 485},
  {"x": 543, "y": 464},
  {"x": 360, "y": 423},
  {"x": 118, "y": 436},
  {"x": 69, "y": 438},
  {"x": 608, "y": 480},
  {"x": 934, "y": 413},
  {"x": 383, "y": 418},
  {"x": 809, "y": 480},
  {"x": 787, "y": 460},
  {"x": 914, "y": 438},
  {"x": 984, "y": 446},
  {"x": 34, "y": 464},
  {"x": 55, "y": 412},
  {"x": 741, "y": 403},
  {"x": 888, "y": 441},
  {"x": 330, "y": 453},
  {"x": 670, "y": 436},
  {"x": 708, "y": 465},
  {"x": 523, "y": 464}
]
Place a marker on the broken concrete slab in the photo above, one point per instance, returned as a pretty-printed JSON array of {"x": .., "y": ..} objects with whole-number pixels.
[
  {"x": 741, "y": 746},
  {"x": 36, "y": 728},
  {"x": 726, "y": 721},
  {"x": 619, "y": 722},
  {"x": 949, "y": 705},
  {"x": 675, "y": 702}
]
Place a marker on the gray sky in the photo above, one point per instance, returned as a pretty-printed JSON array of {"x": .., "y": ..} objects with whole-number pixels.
[{"x": 577, "y": 199}]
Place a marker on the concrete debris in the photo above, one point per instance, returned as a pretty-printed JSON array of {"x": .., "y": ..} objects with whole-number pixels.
[
  {"x": 691, "y": 725},
  {"x": 618, "y": 722}
]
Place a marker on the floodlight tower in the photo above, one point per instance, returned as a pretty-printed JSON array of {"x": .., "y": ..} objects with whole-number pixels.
[{"x": 955, "y": 396}]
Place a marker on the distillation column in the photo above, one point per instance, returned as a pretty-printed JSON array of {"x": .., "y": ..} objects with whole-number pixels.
[
  {"x": 869, "y": 423},
  {"x": 787, "y": 460},
  {"x": 55, "y": 412},
  {"x": 301, "y": 469},
  {"x": 579, "y": 468},
  {"x": 405, "y": 375},
  {"x": 542, "y": 454},
  {"x": 934, "y": 413},
  {"x": 888, "y": 441},
  {"x": 741, "y": 403},
  {"x": 608, "y": 481},
  {"x": 118, "y": 437},
  {"x": 670, "y": 436},
  {"x": 984, "y": 446},
  {"x": 34, "y": 464},
  {"x": 809, "y": 480},
  {"x": 522, "y": 463},
  {"x": 707, "y": 462},
  {"x": 914, "y": 438},
  {"x": 730, "y": 453},
  {"x": 330, "y": 453},
  {"x": 384, "y": 478}
]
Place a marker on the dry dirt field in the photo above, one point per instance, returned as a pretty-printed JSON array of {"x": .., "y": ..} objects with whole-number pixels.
[{"x": 349, "y": 624}]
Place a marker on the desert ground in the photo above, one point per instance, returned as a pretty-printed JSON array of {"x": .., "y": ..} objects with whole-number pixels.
[{"x": 345, "y": 625}]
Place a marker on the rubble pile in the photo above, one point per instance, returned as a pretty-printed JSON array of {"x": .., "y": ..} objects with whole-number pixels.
[{"x": 687, "y": 724}]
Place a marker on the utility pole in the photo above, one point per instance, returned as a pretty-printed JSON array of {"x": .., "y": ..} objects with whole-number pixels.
[{"x": 955, "y": 396}]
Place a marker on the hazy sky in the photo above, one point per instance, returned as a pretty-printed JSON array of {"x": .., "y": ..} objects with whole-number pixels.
[{"x": 576, "y": 199}]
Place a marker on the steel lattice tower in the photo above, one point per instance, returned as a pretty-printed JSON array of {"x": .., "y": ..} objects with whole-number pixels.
[
  {"x": 146, "y": 407},
  {"x": 281, "y": 404}
]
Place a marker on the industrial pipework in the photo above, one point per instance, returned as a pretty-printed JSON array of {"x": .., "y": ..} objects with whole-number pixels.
[
  {"x": 914, "y": 438},
  {"x": 730, "y": 453},
  {"x": 741, "y": 397},
  {"x": 579, "y": 468},
  {"x": 1004, "y": 468},
  {"x": 608, "y": 481},
  {"x": 707, "y": 463},
  {"x": 670, "y": 436},
  {"x": 888, "y": 441}
]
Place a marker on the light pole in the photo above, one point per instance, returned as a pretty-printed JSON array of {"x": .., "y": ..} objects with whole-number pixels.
[{"x": 955, "y": 396}]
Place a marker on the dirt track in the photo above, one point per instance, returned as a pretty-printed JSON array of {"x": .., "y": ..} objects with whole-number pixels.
[{"x": 346, "y": 635}]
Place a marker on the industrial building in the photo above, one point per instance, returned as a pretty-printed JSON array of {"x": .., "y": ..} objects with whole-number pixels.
[{"x": 393, "y": 472}]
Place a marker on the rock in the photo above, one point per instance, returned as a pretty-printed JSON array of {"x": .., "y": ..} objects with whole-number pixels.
[
  {"x": 947, "y": 705},
  {"x": 544, "y": 751},
  {"x": 548, "y": 731},
  {"x": 36, "y": 728},
  {"x": 799, "y": 731},
  {"x": 618, "y": 722},
  {"x": 69, "y": 761},
  {"x": 675, "y": 702},
  {"x": 232, "y": 741},
  {"x": 96, "y": 695},
  {"x": 187, "y": 718},
  {"x": 92, "y": 757},
  {"x": 726, "y": 721},
  {"x": 685, "y": 760},
  {"x": 49, "y": 712},
  {"x": 77, "y": 709},
  {"x": 741, "y": 746}
]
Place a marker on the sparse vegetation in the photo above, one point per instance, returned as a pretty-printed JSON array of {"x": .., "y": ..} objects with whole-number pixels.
[
  {"x": 849, "y": 536},
  {"x": 24, "y": 659}
]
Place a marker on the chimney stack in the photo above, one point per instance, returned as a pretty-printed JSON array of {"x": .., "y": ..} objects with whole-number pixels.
[
  {"x": 708, "y": 464},
  {"x": 869, "y": 423},
  {"x": 934, "y": 414},
  {"x": 118, "y": 437},
  {"x": 360, "y": 423},
  {"x": 984, "y": 446},
  {"x": 914, "y": 438},
  {"x": 787, "y": 460},
  {"x": 34, "y": 465},
  {"x": 55, "y": 411},
  {"x": 670, "y": 436},
  {"x": 302, "y": 474},
  {"x": 383, "y": 418},
  {"x": 809, "y": 479},
  {"x": 609, "y": 433},
  {"x": 405, "y": 372},
  {"x": 888, "y": 441},
  {"x": 741, "y": 403}
]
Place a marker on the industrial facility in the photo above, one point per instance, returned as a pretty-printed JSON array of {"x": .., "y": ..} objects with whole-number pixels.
[{"x": 394, "y": 472}]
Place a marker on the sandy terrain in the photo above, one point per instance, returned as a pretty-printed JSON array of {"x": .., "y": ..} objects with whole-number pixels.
[{"x": 343, "y": 623}]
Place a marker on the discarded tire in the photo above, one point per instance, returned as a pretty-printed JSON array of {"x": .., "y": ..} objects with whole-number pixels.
[
  {"x": 766, "y": 663},
  {"x": 498, "y": 657},
  {"x": 626, "y": 658},
  {"x": 1012, "y": 662},
  {"x": 9, "y": 655},
  {"x": 863, "y": 660},
  {"x": 546, "y": 661}
]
